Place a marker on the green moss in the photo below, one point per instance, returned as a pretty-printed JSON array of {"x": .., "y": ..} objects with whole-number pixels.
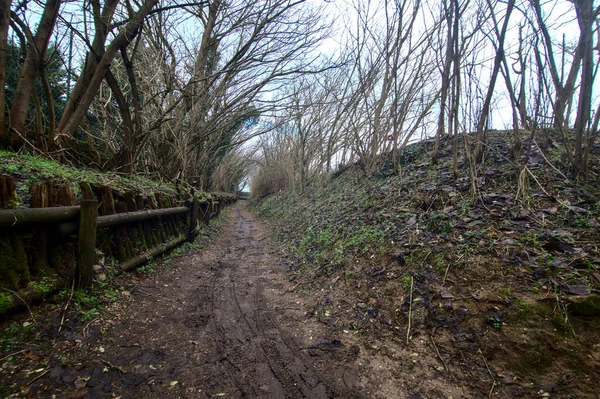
[
  {"x": 587, "y": 306},
  {"x": 14, "y": 272},
  {"x": 6, "y": 302},
  {"x": 38, "y": 169}
]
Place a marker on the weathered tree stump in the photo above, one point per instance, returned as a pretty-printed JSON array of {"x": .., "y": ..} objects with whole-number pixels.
[
  {"x": 157, "y": 226},
  {"x": 151, "y": 239},
  {"x": 14, "y": 271},
  {"x": 50, "y": 254},
  {"x": 106, "y": 206},
  {"x": 138, "y": 228},
  {"x": 125, "y": 233}
]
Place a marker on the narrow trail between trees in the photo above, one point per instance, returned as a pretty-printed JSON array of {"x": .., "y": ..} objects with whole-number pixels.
[{"x": 219, "y": 322}]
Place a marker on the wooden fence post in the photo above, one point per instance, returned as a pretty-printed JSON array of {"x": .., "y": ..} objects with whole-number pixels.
[
  {"x": 193, "y": 232},
  {"x": 87, "y": 242}
]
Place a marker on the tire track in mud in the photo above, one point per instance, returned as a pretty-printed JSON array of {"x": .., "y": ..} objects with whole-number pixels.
[
  {"x": 258, "y": 360},
  {"x": 215, "y": 323}
]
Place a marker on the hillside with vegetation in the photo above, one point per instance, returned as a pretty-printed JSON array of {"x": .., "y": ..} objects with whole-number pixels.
[
  {"x": 488, "y": 281},
  {"x": 430, "y": 167}
]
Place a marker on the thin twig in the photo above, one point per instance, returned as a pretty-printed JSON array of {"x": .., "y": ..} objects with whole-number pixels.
[
  {"x": 38, "y": 377},
  {"x": 409, "y": 310},
  {"x": 64, "y": 313},
  {"x": 448, "y": 267},
  {"x": 426, "y": 256},
  {"x": 489, "y": 371},
  {"x": 437, "y": 351},
  {"x": 25, "y": 303},
  {"x": 26, "y": 141},
  {"x": 112, "y": 366},
  {"x": 139, "y": 291},
  {"x": 293, "y": 288},
  {"x": 87, "y": 326},
  {"x": 537, "y": 181},
  {"x": 12, "y": 354},
  {"x": 549, "y": 163}
]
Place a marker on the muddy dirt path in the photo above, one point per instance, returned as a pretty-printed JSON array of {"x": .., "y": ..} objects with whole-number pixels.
[{"x": 219, "y": 322}]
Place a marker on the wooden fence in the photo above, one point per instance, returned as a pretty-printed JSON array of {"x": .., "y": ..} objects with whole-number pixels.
[{"x": 130, "y": 228}]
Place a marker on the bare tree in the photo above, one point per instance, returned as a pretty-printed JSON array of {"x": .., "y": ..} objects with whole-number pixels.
[
  {"x": 585, "y": 19},
  {"x": 499, "y": 59},
  {"x": 4, "y": 23},
  {"x": 91, "y": 81},
  {"x": 37, "y": 46}
]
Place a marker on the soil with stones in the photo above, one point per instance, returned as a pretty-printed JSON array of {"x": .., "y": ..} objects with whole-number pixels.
[{"x": 218, "y": 322}]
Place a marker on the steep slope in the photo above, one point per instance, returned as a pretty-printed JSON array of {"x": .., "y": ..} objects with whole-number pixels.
[{"x": 454, "y": 291}]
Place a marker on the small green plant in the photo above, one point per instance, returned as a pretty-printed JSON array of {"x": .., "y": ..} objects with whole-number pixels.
[
  {"x": 83, "y": 298},
  {"x": 471, "y": 234},
  {"x": 149, "y": 268},
  {"x": 45, "y": 286},
  {"x": 582, "y": 220},
  {"x": 495, "y": 322},
  {"x": 112, "y": 295},
  {"x": 561, "y": 315},
  {"x": 465, "y": 205},
  {"x": 447, "y": 227},
  {"x": 406, "y": 282},
  {"x": 90, "y": 314},
  {"x": 533, "y": 239}
]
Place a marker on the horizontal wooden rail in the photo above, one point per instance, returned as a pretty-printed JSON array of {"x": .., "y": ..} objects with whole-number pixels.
[
  {"x": 60, "y": 214},
  {"x": 143, "y": 258},
  {"x": 66, "y": 229},
  {"x": 26, "y": 216},
  {"x": 122, "y": 218}
]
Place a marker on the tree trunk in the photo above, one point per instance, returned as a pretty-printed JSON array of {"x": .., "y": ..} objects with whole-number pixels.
[
  {"x": 445, "y": 84},
  {"x": 4, "y": 22},
  {"x": 564, "y": 92},
  {"x": 585, "y": 18},
  {"x": 488, "y": 98},
  {"x": 123, "y": 39},
  {"x": 132, "y": 135},
  {"x": 33, "y": 62},
  {"x": 101, "y": 23}
]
